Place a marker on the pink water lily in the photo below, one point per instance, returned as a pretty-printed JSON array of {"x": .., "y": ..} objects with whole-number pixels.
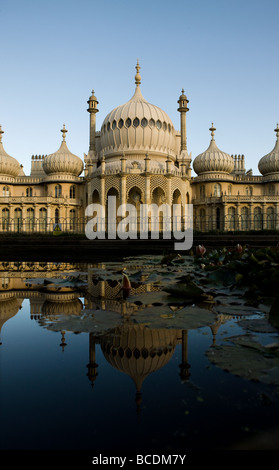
[
  {"x": 239, "y": 248},
  {"x": 200, "y": 250}
]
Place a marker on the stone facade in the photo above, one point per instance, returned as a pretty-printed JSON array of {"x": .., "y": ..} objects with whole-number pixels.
[{"x": 139, "y": 157}]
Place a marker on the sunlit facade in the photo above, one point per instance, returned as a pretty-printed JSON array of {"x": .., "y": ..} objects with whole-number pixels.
[{"x": 138, "y": 157}]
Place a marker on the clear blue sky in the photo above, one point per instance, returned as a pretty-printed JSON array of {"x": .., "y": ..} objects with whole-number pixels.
[{"x": 224, "y": 54}]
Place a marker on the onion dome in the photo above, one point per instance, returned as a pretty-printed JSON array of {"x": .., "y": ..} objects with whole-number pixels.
[
  {"x": 213, "y": 159},
  {"x": 63, "y": 161},
  {"x": 138, "y": 351},
  {"x": 8, "y": 165},
  {"x": 137, "y": 127},
  {"x": 270, "y": 162}
]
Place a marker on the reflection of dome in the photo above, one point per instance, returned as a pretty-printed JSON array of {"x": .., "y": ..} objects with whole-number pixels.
[
  {"x": 138, "y": 126},
  {"x": 62, "y": 304},
  {"x": 9, "y": 306},
  {"x": 8, "y": 165},
  {"x": 270, "y": 162},
  {"x": 63, "y": 161},
  {"x": 138, "y": 351},
  {"x": 213, "y": 159}
]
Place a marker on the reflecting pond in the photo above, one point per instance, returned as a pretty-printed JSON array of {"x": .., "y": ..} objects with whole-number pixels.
[{"x": 148, "y": 354}]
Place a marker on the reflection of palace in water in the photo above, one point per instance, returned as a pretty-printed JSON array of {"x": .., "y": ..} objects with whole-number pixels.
[{"x": 130, "y": 348}]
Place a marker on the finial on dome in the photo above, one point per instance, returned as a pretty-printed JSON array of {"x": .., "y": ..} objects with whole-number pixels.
[
  {"x": 1, "y": 132},
  {"x": 275, "y": 130},
  {"x": 212, "y": 129},
  {"x": 64, "y": 130},
  {"x": 137, "y": 76}
]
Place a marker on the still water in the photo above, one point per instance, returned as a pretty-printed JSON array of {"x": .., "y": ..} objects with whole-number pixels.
[{"x": 87, "y": 366}]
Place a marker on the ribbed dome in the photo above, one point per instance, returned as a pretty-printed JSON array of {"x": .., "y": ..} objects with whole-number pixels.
[
  {"x": 270, "y": 162},
  {"x": 63, "y": 161},
  {"x": 8, "y": 165},
  {"x": 138, "y": 126},
  {"x": 138, "y": 351},
  {"x": 213, "y": 159}
]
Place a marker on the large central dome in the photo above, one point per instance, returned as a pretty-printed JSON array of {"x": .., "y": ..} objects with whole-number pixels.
[{"x": 138, "y": 127}]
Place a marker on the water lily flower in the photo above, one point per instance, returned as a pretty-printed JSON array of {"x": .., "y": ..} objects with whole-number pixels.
[
  {"x": 239, "y": 248},
  {"x": 126, "y": 285},
  {"x": 200, "y": 250}
]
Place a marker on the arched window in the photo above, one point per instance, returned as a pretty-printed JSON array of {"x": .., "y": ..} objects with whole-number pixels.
[
  {"x": 218, "y": 218},
  {"x": 270, "y": 218},
  {"x": 202, "y": 220},
  {"x": 6, "y": 191},
  {"x": 29, "y": 192},
  {"x": 58, "y": 190},
  {"x": 56, "y": 216},
  {"x": 231, "y": 218},
  {"x": 72, "y": 192},
  {"x": 73, "y": 221},
  {"x": 43, "y": 219},
  {"x": 258, "y": 218},
  {"x": 30, "y": 219},
  {"x": 5, "y": 218},
  {"x": 244, "y": 218},
  {"x": 18, "y": 219},
  {"x": 217, "y": 190},
  {"x": 202, "y": 191},
  {"x": 271, "y": 190}
]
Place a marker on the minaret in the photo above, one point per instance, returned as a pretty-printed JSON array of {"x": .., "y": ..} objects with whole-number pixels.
[
  {"x": 92, "y": 109},
  {"x": 183, "y": 108},
  {"x": 184, "y": 158}
]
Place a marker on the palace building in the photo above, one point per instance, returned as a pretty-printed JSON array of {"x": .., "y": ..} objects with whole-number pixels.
[{"x": 140, "y": 158}]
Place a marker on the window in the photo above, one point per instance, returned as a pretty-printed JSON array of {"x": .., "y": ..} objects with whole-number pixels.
[
  {"x": 18, "y": 219},
  {"x": 72, "y": 219},
  {"x": 258, "y": 218},
  {"x": 202, "y": 192},
  {"x": 30, "y": 219},
  {"x": 271, "y": 190},
  {"x": 6, "y": 191},
  {"x": 128, "y": 122},
  {"x": 113, "y": 125},
  {"x": 5, "y": 218},
  {"x": 270, "y": 218},
  {"x": 29, "y": 192},
  {"x": 217, "y": 190},
  {"x": 244, "y": 218},
  {"x": 158, "y": 124},
  {"x": 56, "y": 216},
  {"x": 136, "y": 122},
  {"x": 120, "y": 123},
  {"x": 43, "y": 219},
  {"x": 58, "y": 190},
  {"x": 231, "y": 218},
  {"x": 144, "y": 122},
  {"x": 72, "y": 192},
  {"x": 151, "y": 123}
]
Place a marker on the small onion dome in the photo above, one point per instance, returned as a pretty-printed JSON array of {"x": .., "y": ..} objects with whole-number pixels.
[
  {"x": 8, "y": 165},
  {"x": 92, "y": 103},
  {"x": 63, "y": 161},
  {"x": 213, "y": 159},
  {"x": 270, "y": 162}
]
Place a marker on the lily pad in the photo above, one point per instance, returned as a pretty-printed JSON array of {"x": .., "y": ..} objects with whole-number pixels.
[{"x": 248, "y": 359}]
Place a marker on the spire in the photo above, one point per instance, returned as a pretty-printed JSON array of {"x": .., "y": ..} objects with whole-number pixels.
[
  {"x": 275, "y": 130},
  {"x": 137, "y": 76},
  {"x": 212, "y": 129},
  {"x": 64, "y": 130}
]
